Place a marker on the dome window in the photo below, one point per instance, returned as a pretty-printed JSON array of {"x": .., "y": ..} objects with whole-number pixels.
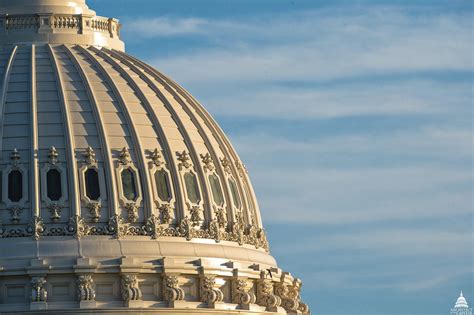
[
  {"x": 162, "y": 185},
  {"x": 129, "y": 184},
  {"x": 192, "y": 187},
  {"x": 53, "y": 184},
  {"x": 235, "y": 193},
  {"x": 92, "y": 184},
  {"x": 15, "y": 186},
  {"x": 216, "y": 189}
]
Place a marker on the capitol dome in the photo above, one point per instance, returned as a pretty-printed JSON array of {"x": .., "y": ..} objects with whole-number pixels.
[
  {"x": 119, "y": 193},
  {"x": 461, "y": 302}
]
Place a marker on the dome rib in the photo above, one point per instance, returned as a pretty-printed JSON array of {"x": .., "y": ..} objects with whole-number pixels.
[
  {"x": 107, "y": 155},
  {"x": 197, "y": 167},
  {"x": 6, "y": 80},
  {"x": 137, "y": 147},
  {"x": 34, "y": 149},
  {"x": 222, "y": 139},
  {"x": 202, "y": 132},
  {"x": 75, "y": 201},
  {"x": 166, "y": 148}
]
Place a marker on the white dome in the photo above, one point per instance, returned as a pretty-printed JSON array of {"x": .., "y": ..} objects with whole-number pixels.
[
  {"x": 461, "y": 302},
  {"x": 118, "y": 190}
]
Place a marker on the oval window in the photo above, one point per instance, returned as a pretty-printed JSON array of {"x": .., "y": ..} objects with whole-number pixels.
[
  {"x": 192, "y": 187},
  {"x": 235, "y": 193},
  {"x": 128, "y": 184},
  {"x": 216, "y": 189},
  {"x": 162, "y": 185},
  {"x": 92, "y": 184},
  {"x": 15, "y": 186},
  {"x": 53, "y": 185}
]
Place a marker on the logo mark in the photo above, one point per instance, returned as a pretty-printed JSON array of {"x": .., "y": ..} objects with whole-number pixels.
[{"x": 461, "y": 307}]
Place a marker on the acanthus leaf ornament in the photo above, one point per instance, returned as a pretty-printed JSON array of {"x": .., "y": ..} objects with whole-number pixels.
[
  {"x": 15, "y": 212},
  {"x": 15, "y": 157},
  {"x": 195, "y": 213},
  {"x": 220, "y": 217},
  {"x": 226, "y": 164},
  {"x": 156, "y": 158},
  {"x": 214, "y": 230},
  {"x": 36, "y": 227},
  {"x": 77, "y": 227},
  {"x": 117, "y": 227},
  {"x": 153, "y": 227},
  {"x": 95, "y": 208},
  {"x": 165, "y": 213},
  {"x": 125, "y": 157},
  {"x": 53, "y": 155},
  {"x": 184, "y": 160},
  {"x": 55, "y": 210},
  {"x": 186, "y": 229},
  {"x": 208, "y": 162},
  {"x": 85, "y": 288},
  {"x": 171, "y": 290},
  {"x": 132, "y": 211},
  {"x": 90, "y": 157}
]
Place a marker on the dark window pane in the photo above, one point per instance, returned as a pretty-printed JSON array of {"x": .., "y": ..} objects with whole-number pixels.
[
  {"x": 128, "y": 184},
  {"x": 250, "y": 199},
  {"x": 53, "y": 183},
  {"x": 15, "y": 186},
  {"x": 235, "y": 193},
  {"x": 192, "y": 187},
  {"x": 216, "y": 189},
  {"x": 1, "y": 186},
  {"x": 92, "y": 184},
  {"x": 162, "y": 185}
]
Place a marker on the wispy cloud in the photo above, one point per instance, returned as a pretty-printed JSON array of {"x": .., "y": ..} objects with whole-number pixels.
[
  {"x": 312, "y": 46},
  {"x": 165, "y": 27}
]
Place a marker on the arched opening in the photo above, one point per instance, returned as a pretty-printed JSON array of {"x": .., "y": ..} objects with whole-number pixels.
[
  {"x": 216, "y": 189},
  {"x": 53, "y": 185},
  {"x": 235, "y": 193},
  {"x": 192, "y": 188},
  {"x": 129, "y": 186},
  {"x": 15, "y": 186},
  {"x": 162, "y": 185},
  {"x": 92, "y": 184}
]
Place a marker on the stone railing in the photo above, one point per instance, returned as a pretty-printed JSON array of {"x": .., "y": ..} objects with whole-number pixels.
[{"x": 55, "y": 23}]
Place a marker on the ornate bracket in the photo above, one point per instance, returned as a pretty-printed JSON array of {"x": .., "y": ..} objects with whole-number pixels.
[
  {"x": 129, "y": 289},
  {"x": 209, "y": 292},
  {"x": 85, "y": 288},
  {"x": 38, "y": 290},
  {"x": 241, "y": 293},
  {"x": 171, "y": 290}
]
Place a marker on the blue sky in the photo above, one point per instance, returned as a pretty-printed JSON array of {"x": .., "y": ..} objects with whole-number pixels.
[{"x": 355, "y": 121}]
